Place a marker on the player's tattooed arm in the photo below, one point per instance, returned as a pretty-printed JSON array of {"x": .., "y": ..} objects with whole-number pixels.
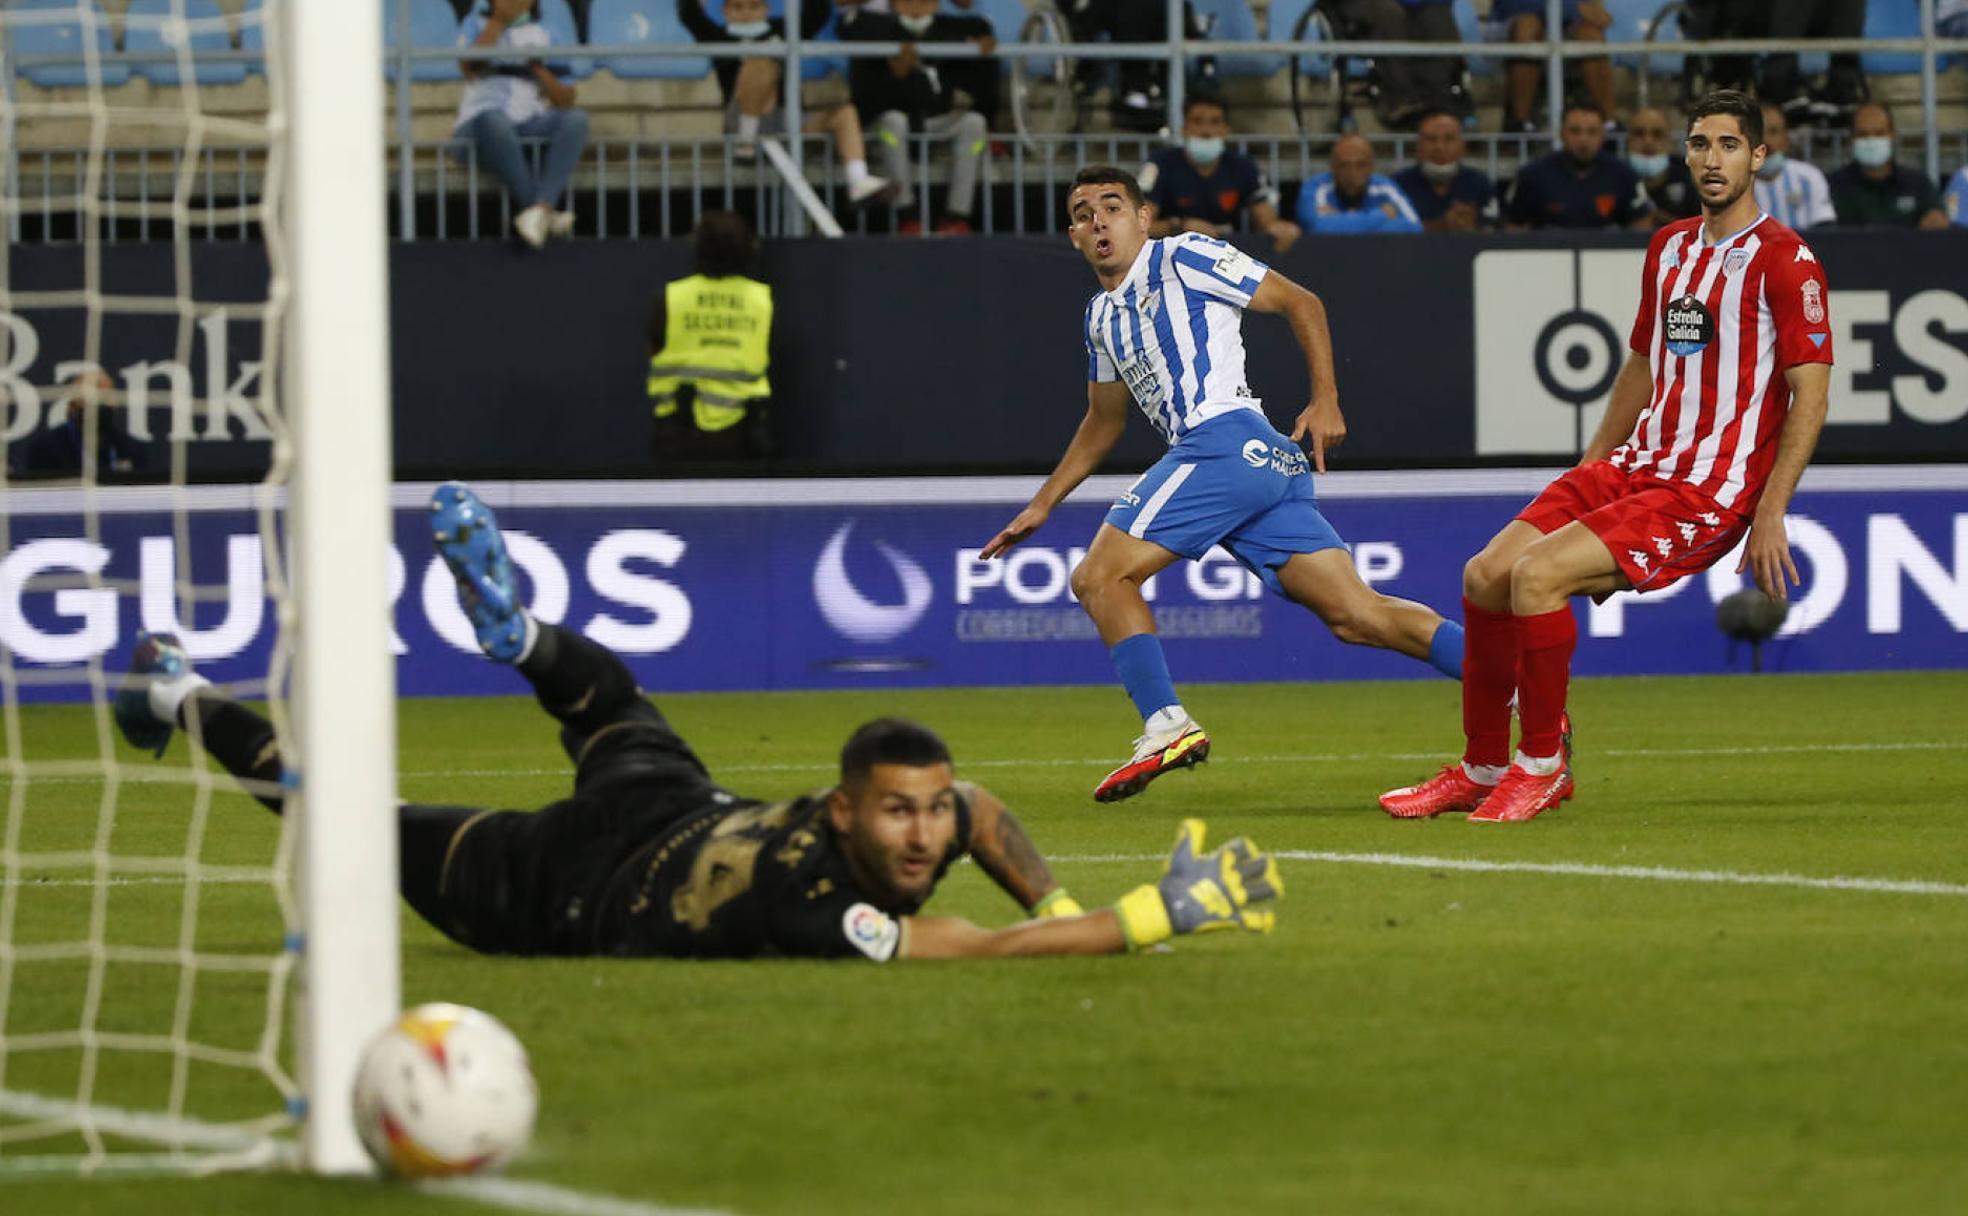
[{"x": 999, "y": 845}]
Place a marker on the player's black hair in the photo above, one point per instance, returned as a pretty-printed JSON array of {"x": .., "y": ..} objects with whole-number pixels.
[
  {"x": 1100, "y": 175},
  {"x": 1204, "y": 97},
  {"x": 890, "y": 741},
  {"x": 721, "y": 245},
  {"x": 1736, "y": 104}
]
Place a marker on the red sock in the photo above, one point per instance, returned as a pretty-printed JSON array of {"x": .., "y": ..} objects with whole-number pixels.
[
  {"x": 1548, "y": 641},
  {"x": 1489, "y": 676}
]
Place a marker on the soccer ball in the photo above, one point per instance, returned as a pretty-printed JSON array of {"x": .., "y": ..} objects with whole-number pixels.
[{"x": 444, "y": 1090}]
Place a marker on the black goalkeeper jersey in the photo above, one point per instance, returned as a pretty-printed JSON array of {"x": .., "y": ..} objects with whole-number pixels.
[{"x": 752, "y": 880}]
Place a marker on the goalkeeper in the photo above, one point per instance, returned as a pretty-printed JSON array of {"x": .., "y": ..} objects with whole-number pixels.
[{"x": 651, "y": 857}]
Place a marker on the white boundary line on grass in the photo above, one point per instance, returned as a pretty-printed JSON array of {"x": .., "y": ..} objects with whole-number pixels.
[
  {"x": 1573, "y": 869},
  {"x": 197, "y": 1134}
]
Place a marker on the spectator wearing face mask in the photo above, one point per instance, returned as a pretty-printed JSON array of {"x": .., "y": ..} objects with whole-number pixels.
[
  {"x": 1352, "y": 198},
  {"x": 1669, "y": 185},
  {"x": 1875, "y": 190},
  {"x": 1792, "y": 192},
  {"x": 1204, "y": 186},
  {"x": 1448, "y": 195}
]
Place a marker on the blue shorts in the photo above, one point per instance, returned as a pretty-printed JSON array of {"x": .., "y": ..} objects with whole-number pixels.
[{"x": 1235, "y": 482}]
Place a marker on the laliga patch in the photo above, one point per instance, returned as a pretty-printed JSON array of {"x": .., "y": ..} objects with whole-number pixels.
[
  {"x": 871, "y": 931},
  {"x": 1813, "y": 302},
  {"x": 1235, "y": 266},
  {"x": 1690, "y": 328}
]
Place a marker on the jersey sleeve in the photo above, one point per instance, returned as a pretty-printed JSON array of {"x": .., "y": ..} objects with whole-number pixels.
[
  {"x": 839, "y": 923},
  {"x": 1217, "y": 269},
  {"x": 1641, "y": 341},
  {"x": 1100, "y": 365},
  {"x": 1800, "y": 306}
]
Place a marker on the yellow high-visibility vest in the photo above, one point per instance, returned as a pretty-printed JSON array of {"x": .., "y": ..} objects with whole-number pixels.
[{"x": 715, "y": 338}]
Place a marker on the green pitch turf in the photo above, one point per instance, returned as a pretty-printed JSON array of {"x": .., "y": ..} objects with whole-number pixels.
[{"x": 1425, "y": 1038}]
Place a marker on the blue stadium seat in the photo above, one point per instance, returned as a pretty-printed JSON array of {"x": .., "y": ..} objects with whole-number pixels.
[
  {"x": 654, "y": 21},
  {"x": 1630, "y": 21},
  {"x": 1283, "y": 17},
  {"x": 1233, "y": 21},
  {"x": 812, "y": 67},
  {"x": 559, "y": 20},
  {"x": 1892, "y": 19},
  {"x": 151, "y": 25},
  {"x": 57, "y": 37}
]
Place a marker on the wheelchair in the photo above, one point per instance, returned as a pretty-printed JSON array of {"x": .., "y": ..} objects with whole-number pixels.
[{"x": 1348, "y": 81}]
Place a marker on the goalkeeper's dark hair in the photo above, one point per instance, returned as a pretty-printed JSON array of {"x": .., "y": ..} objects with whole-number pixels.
[
  {"x": 722, "y": 245},
  {"x": 890, "y": 741},
  {"x": 1100, "y": 175},
  {"x": 1746, "y": 110}
]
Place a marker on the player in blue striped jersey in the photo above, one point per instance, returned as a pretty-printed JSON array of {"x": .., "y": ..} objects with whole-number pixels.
[{"x": 1166, "y": 330}]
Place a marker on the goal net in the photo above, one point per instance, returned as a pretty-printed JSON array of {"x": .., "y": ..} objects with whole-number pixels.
[{"x": 194, "y": 393}]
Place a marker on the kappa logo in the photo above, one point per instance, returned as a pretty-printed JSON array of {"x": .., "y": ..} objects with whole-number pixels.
[
  {"x": 1814, "y": 311},
  {"x": 871, "y": 931},
  {"x": 1639, "y": 559},
  {"x": 852, "y": 614},
  {"x": 1663, "y": 546},
  {"x": 1687, "y": 532},
  {"x": 1710, "y": 518},
  {"x": 1804, "y": 254}
]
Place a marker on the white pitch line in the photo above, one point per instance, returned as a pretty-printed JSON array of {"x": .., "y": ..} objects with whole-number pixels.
[
  {"x": 1574, "y": 869},
  {"x": 257, "y": 1151}
]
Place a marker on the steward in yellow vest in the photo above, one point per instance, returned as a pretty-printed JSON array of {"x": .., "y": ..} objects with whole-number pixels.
[{"x": 708, "y": 387}]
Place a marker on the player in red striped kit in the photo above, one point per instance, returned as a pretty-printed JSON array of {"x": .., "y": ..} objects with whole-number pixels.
[{"x": 1711, "y": 422}]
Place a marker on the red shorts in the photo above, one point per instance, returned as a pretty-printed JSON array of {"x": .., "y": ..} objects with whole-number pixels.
[{"x": 1659, "y": 532}]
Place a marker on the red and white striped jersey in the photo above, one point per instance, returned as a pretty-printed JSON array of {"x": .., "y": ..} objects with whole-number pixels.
[{"x": 1720, "y": 324}]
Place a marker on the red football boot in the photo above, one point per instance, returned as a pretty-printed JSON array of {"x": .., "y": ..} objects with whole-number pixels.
[
  {"x": 1179, "y": 747},
  {"x": 1449, "y": 790},
  {"x": 1523, "y": 795}
]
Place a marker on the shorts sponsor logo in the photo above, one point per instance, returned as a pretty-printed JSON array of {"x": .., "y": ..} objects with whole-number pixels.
[
  {"x": 1289, "y": 462},
  {"x": 871, "y": 931},
  {"x": 1814, "y": 311},
  {"x": 1257, "y": 453},
  {"x": 1690, "y": 328}
]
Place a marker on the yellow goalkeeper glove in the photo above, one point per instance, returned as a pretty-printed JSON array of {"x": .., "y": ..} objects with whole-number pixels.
[{"x": 1200, "y": 892}]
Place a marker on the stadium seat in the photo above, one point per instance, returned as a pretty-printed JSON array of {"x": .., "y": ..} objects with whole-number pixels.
[
  {"x": 64, "y": 38},
  {"x": 654, "y": 21},
  {"x": 559, "y": 20},
  {"x": 1233, "y": 21},
  {"x": 1631, "y": 20},
  {"x": 152, "y": 25},
  {"x": 1007, "y": 18},
  {"x": 1892, "y": 19}
]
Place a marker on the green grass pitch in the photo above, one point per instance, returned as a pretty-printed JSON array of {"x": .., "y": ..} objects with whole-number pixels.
[{"x": 1419, "y": 1038}]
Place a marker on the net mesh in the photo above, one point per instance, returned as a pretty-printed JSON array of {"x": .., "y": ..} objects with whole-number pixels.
[{"x": 147, "y": 923}]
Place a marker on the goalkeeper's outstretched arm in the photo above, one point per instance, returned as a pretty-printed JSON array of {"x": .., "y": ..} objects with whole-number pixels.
[
  {"x": 1000, "y": 847},
  {"x": 1230, "y": 887}
]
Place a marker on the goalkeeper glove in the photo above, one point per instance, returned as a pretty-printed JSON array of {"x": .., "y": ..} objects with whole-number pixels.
[
  {"x": 1057, "y": 903},
  {"x": 1200, "y": 892}
]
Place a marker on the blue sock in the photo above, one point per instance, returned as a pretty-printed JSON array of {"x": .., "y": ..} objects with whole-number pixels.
[
  {"x": 1445, "y": 650},
  {"x": 1144, "y": 671}
]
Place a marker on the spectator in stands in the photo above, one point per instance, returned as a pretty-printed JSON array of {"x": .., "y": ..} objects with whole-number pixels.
[
  {"x": 1844, "y": 85},
  {"x": 1792, "y": 192},
  {"x": 1663, "y": 173},
  {"x": 1523, "y": 21},
  {"x": 751, "y": 92},
  {"x": 56, "y": 451},
  {"x": 1203, "y": 186},
  {"x": 1448, "y": 196},
  {"x": 1581, "y": 185},
  {"x": 709, "y": 339},
  {"x": 899, "y": 96},
  {"x": 1875, "y": 189},
  {"x": 1409, "y": 86},
  {"x": 1352, "y": 198},
  {"x": 973, "y": 83},
  {"x": 507, "y": 100},
  {"x": 1138, "y": 103},
  {"x": 1706, "y": 19}
]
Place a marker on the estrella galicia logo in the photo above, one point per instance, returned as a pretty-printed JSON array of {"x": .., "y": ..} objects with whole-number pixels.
[
  {"x": 1690, "y": 328},
  {"x": 855, "y": 616}
]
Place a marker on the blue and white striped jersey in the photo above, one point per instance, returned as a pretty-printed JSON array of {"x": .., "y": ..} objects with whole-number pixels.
[
  {"x": 1798, "y": 197},
  {"x": 1173, "y": 331}
]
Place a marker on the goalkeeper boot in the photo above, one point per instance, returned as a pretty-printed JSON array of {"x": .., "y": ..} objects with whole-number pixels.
[
  {"x": 159, "y": 663},
  {"x": 467, "y": 538},
  {"x": 1452, "y": 789},
  {"x": 1155, "y": 753}
]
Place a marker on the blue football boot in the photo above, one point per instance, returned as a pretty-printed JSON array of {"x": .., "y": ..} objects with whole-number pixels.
[
  {"x": 158, "y": 657},
  {"x": 468, "y": 539}
]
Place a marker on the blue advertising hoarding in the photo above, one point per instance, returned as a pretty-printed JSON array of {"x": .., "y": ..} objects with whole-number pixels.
[{"x": 876, "y": 583}]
